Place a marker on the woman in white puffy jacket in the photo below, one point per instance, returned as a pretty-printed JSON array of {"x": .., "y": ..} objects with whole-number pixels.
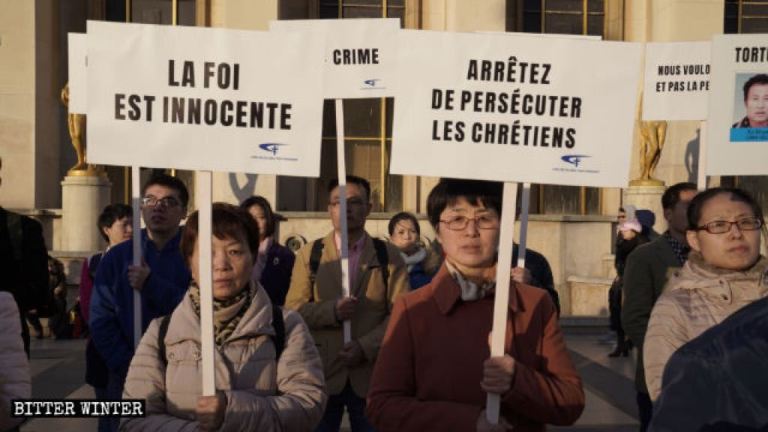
[{"x": 15, "y": 382}]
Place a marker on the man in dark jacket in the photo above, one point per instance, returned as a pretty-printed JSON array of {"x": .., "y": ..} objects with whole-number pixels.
[
  {"x": 645, "y": 276},
  {"x": 23, "y": 264},
  {"x": 538, "y": 273},
  {"x": 717, "y": 381},
  {"x": 162, "y": 279}
]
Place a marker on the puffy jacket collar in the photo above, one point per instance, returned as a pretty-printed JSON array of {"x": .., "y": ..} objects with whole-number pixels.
[{"x": 720, "y": 283}]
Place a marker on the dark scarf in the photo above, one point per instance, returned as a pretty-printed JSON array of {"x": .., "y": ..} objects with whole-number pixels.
[{"x": 226, "y": 313}]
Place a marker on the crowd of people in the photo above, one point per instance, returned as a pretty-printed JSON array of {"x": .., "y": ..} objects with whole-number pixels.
[{"x": 419, "y": 314}]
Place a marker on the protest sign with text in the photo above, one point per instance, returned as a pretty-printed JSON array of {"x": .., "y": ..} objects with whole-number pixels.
[
  {"x": 676, "y": 85},
  {"x": 738, "y": 114},
  {"x": 359, "y": 63},
  {"x": 359, "y": 54},
  {"x": 204, "y": 99},
  {"x": 515, "y": 108}
]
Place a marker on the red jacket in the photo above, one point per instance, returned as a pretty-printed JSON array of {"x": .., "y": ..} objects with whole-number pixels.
[{"x": 427, "y": 376}]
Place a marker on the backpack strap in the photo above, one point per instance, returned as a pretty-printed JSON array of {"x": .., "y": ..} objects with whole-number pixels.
[
  {"x": 314, "y": 264},
  {"x": 164, "y": 321},
  {"x": 279, "y": 325},
  {"x": 383, "y": 258}
]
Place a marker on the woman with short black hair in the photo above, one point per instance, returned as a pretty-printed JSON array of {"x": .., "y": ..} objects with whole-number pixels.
[{"x": 433, "y": 369}]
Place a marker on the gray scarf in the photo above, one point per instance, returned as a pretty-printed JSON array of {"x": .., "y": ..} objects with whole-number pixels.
[{"x": 470, "y": 291}]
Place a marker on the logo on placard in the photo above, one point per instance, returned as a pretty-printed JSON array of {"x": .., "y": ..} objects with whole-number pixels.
[
  {"x": 574, "y": 160},
  {"x": 372, "y": 84},
  {"x": 271, "y": 147},
  {"x": 577, "y": 161}
]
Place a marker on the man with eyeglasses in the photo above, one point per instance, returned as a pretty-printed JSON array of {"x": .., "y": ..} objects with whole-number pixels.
[
  {"x": 645, "y": 276},
  {"x": 162, "y": 279},
  {"x": 377, "y": 275}
]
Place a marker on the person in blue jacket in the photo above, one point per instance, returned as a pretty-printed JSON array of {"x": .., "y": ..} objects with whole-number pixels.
[
  {"x": 404, "y": 232},
  {"x": 162, "y": 279}
]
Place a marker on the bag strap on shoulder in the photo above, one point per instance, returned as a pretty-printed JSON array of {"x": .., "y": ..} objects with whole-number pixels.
[
  {"x": 314, "y": 264},
  {"x": 383, "y": 258},
  {"x": 164, "y": 322},
  {"x": 279, "y": 325}
]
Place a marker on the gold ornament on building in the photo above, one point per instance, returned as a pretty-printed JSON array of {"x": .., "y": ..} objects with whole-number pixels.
[{"x": 76, "y": 123}]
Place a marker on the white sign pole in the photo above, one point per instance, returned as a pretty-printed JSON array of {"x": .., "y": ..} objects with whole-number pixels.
[
  {"x": 203, "y": 191},
  {"x": 501, "y": 302},
  {"x": 137, "y": 258},
  {"x": 342, "y": 173},
  {"x": 701, "y": 172},
  {"x": 526, "y": 205}
]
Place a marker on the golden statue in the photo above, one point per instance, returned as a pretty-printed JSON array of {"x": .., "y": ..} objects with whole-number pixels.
[
  {"x": 76, "y": 123},
  {"x": 652, "y": 137}
]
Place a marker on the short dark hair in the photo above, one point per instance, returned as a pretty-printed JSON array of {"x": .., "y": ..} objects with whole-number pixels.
[
  {"x": 403, "y": 216},
  {"x": 757, "y": 79},
  {"x": 171, "y": 182},
  {"x": 476, "y": 192},
  {"x": 738, "y": 195},
  {"x": 365, "y": 184},
  {"x": 111, "y": 214},
  {"x": 269, "y": 215},
  {"x": 671, "y": 196},
  {"x": 229, "y": 221}
]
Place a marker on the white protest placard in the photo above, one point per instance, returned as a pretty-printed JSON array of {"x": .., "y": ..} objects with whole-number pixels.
[
  {"x": 738, "y": 115},
  {"x": 76, "y": 63},
  {"x": 676, "y": 84},
  {"x": 204, "y": 99},
  {"x": 515, "y": 108},
  {"x": 359, "y": 54},
  {"x": 359, "y": 63}
]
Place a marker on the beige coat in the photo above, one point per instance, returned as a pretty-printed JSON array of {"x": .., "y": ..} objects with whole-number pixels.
[
  {"x": 14, "y": 367},
  {"x": 262, "y": 394},
  {"x": 316, "y": 304},
  {"x": 697, "y": 297}
]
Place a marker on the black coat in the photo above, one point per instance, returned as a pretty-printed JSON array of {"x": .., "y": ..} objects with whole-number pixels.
[
  {"x": 276, "y": 276},
  {"x": 541, "y": 273},
  {"x": 23, "y": 261},
  {"x": 719, "y": 380}
]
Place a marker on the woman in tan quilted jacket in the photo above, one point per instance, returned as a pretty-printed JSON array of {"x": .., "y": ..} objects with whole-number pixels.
[
  {"x": 724, "y": 273},
  {"x": 258, "y": 387}
]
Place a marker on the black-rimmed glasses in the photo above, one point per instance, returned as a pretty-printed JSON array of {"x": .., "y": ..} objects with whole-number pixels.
[{"x": 723, "y": 226}]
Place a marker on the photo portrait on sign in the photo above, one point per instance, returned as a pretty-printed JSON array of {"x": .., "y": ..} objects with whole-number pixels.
[{"x": 750, "y": 108}]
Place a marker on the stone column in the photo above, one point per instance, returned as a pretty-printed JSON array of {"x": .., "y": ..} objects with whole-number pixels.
[
  {"x": 648, "y": 197},
  {"x": 83, "y": 198}
]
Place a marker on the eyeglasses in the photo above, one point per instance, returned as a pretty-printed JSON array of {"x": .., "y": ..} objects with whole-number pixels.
[
  {"x": 168, "y": 202},
  {"x": 350, "y": 202},
  {"x": 459, "y": 223},
  {"x": 721, "y": 227}
]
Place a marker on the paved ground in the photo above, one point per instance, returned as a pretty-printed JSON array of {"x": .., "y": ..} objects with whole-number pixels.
[{"x": 58, "y": 370}]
